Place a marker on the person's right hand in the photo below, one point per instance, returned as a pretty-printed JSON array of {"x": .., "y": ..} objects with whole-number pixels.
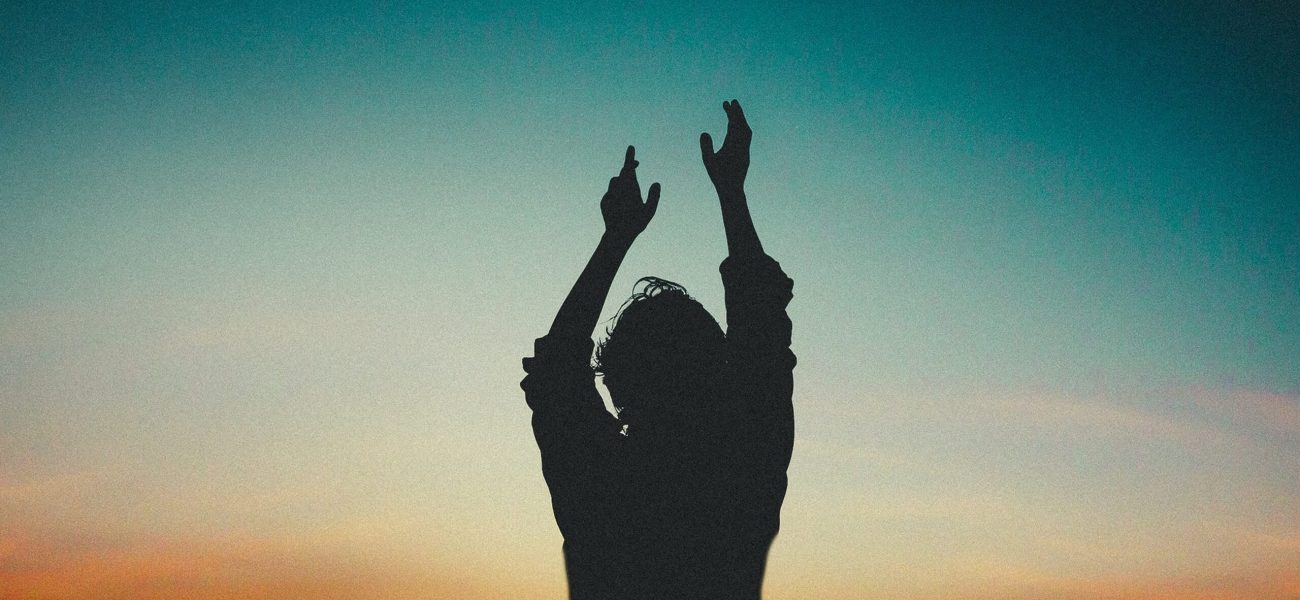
[
  {"x": 625, "y": 215},
  {"x": 727, "y": 167}
]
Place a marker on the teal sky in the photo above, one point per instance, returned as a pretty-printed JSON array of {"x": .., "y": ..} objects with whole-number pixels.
[{"x": 268, "y": 273}]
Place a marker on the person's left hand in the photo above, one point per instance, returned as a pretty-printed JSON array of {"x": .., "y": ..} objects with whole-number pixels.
[{"x": 626, "y": 216}]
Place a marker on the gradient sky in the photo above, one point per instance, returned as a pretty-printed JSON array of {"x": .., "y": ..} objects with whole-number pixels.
[{"x": 266, "y": 275}]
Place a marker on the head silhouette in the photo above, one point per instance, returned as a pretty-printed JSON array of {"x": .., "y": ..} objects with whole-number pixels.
[{"x": 661, "y": 353}]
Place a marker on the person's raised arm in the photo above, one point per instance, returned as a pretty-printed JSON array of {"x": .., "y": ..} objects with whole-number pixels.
[
  {"x": 574, "y": 432},
  {"x": 760, "y": 365},
  {"x": 727, "y": 168},
  {"x": 626, "y": 216},
  {"x": 757, "y": 290}
]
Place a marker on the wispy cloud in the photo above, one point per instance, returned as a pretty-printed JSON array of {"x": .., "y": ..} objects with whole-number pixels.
[
  {"x": 1099, "y": 416},
  {"x": 1193, "y": 416},
  {"x": 1243, "y": 409}
]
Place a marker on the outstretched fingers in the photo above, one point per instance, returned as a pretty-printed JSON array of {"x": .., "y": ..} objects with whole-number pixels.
[
  {"x": 735, "y": 114},
  {"x": 625, "y": 182},
  {"x": 736, "y": 123},
  {"x": 629, "y": 160},
  {"x": 625, "y": 213}
]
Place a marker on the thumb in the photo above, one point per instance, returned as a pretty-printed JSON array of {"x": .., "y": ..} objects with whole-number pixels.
[
  {"x": 706, "y": 149},
  {"x": 652, "y": 199}
]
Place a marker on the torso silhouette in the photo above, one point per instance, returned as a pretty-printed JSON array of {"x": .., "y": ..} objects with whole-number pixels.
[{"x": 681, "y": 511}]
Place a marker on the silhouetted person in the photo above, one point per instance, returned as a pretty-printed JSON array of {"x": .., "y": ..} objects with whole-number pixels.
[{"x": 680, "y": 496}]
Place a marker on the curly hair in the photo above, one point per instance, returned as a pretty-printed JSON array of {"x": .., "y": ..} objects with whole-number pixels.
[{"x": 660, "y": 338}]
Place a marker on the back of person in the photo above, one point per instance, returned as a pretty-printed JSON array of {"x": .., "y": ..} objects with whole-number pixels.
[
  {"x": 680, "y": 496},
  {"x": 695, "y": 528}
]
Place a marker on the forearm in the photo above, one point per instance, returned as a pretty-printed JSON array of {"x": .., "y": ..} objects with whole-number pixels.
[
  {"x": 742, "y": 239},
  {"x": 580, "y": 311}
]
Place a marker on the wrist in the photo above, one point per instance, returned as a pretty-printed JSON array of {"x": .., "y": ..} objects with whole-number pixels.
[
  {"x": 617, "y": 241},
  {"x": 731, "y": 193}
]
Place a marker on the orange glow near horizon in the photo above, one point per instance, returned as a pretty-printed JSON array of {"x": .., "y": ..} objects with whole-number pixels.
[
  {"x": 251, "y": 569},
  {"x": 201, "y": 569}
]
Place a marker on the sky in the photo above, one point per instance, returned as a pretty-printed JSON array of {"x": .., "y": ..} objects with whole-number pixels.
[{"x": 267, "y": 274}]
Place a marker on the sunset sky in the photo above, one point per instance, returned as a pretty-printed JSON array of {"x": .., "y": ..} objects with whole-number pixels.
[{"x": 267, "y": 274}]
